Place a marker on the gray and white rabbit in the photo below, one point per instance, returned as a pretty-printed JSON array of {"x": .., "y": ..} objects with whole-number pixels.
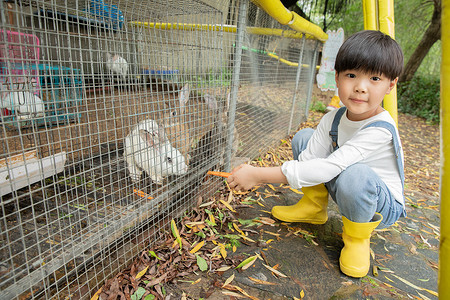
[
  {"x": 192, "y": 116},
  {"x": 147, "y": 149},
  {"x": 211, "y": 146},
  {"x": 116, "y": 65}
]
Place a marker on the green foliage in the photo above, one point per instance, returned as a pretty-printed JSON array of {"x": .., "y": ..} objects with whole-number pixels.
[
  {"x": 412, "y": 19},
  {"x": 318, "y": 106},
  {"x": 221, "y": 77},
  {"x": 350, "y": 18},
  {"x": 420, "y": 97},
  {"x": 411, "y": 22}
]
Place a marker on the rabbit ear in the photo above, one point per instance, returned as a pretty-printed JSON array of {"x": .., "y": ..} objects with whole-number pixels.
[
  {"x": 161, "y": 134},
  {"x": 210, "y": 101},
  {"x": 152, "y": 138},
  {"x": 184, "y": 97}
]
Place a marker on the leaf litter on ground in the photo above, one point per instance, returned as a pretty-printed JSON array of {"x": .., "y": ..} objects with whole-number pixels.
[{"x": 164, "y": 263}]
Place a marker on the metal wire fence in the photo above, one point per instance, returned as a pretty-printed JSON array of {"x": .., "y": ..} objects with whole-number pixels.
[{"x": 111, "y": 114}]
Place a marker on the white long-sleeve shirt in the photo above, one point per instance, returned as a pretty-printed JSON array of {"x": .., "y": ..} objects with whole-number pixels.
[{"x": 372, "y": 146}]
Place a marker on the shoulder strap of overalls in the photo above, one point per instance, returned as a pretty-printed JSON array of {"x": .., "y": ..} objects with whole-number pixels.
[
  {"x": 334, "y": 127},
  {"x": 397, "y": 148},
  {"x": 383, "y": 124}
]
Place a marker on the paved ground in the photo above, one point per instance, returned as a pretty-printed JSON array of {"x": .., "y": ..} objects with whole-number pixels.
[
  {"x": 404, "y": 260},
  {"x": 405, "y": 256}
]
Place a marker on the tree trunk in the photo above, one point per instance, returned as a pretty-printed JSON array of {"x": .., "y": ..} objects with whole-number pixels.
[{"x": 431, "y": 35}]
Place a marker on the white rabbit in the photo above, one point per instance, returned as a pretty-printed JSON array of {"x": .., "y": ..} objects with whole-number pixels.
[
  {"x": 26, "y": 105},
  {"x": 117, "y": 65},
  {"x": 148, "y": 149}
]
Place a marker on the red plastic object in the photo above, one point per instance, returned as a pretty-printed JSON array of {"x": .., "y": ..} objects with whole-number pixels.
[{"x": 19, "y": 57}]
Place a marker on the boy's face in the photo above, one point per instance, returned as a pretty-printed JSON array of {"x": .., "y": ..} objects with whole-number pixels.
[{"x": 362, "y": 93}]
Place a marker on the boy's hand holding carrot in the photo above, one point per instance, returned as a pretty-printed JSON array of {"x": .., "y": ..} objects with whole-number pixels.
[{"x": 245, "y": 177}]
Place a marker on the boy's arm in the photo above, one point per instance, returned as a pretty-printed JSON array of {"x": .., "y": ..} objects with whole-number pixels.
[{"x": 245, "y": 177}]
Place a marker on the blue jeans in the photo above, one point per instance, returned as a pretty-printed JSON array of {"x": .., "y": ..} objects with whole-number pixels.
[{"x": 358, "y": 190}]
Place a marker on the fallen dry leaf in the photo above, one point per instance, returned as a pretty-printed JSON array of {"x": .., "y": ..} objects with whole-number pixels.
[
  {"x": 142, "y": 273},
  {"x": 233, "y": 294},
  {"x": 223, "y": 269},
  {"x": 258, "y": 281},
  {"x": 415, "y": 286},
  {"x": 227, "y": 205},
  {"x": 197, "y": 247},
  {"x": 278, "y": 273},
  {"x": 229, "y": 280}
]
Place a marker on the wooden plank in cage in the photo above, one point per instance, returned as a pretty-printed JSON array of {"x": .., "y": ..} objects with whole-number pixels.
[
  {"x": 23, "y": 170},
  {"x": 18, "y": 159}
]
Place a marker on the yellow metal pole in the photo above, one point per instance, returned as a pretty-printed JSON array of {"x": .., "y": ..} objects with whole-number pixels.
[
  {"x": 286, "y": 17},
  {"x": 387, "y": 25},
  {"x": 273, "y": 7},
  {"x": 292, "y": 34},
  {"x": 444, "y": 251},
  {"x": 370, "y": 14},
  {"x": 386, "y": 17}
]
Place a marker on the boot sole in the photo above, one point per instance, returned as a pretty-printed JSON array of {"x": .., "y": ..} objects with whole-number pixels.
[
  {"x": 314, "y": 222},
  {"x": 352, "y": 272}
]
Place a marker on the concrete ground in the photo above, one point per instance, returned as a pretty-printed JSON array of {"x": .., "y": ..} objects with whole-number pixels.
[{"x": 403, "y": 265}]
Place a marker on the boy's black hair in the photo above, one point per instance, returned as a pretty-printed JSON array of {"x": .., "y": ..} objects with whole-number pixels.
[{"x": 370, "y": 51}]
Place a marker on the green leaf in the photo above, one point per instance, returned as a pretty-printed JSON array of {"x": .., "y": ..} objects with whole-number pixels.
[
  {"x": 152, "y": 253},
  {"x": 202, "y": 264},
  {"x": 221, "y": 215},
  {"x": 249, "y": 260},
  {"x": 138, "y": 294},
  {"x": 246, "y": 222},
  {"x": 150, "y": 297},
  {"x": 201, "y": 234}
]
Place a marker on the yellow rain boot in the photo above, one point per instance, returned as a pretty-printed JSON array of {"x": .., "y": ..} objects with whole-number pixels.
[
  {"x": 355, "y": 256},
  {"x": 312, "y": 208}
]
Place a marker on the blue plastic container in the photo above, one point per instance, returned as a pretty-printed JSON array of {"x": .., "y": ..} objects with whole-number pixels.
[
  {"x": 169, "y": 75},
  {"x": 60, "y": 88}
]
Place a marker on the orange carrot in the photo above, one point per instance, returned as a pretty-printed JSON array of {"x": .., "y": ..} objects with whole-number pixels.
[
  {"x": 142, "y": 194},
  {"x": 221, "y": 174}
]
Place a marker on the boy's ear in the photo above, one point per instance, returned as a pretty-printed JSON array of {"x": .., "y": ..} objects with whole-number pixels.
[
  {"x": 336, "y": 76},
  {"x": 392, "y": 85}
]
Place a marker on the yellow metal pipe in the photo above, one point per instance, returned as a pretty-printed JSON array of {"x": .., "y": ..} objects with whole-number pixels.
[
  {"x": 286, "y": 17},
  {"x": 226, "y": 28},
  {"x": 444, "y": 249},
  {"x": 390, "y": 104},
  {"x": 276, "y": 10},
  {"x": 278, "y": 32},
  {"x": 386, "y": 17},
  {"x": 370, "y": 14},
  {"x": 287, "y": 62},
  {"x": 387, "y": 25},
  {"x": 302, "y": 25}
]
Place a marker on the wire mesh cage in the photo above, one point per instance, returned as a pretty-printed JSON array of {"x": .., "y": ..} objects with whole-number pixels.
[{"x": 111, "y": 114}]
